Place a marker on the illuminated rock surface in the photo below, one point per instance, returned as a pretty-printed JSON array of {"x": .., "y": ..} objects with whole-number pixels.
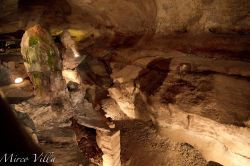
[{"x": 173, "y": 75}]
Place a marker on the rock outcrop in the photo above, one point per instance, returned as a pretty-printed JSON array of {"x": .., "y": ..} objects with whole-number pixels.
[
  {"x": 181, "y": 64},
  {"x": 196, "y": 100}
]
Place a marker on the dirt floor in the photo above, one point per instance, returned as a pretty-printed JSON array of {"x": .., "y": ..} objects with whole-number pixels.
[{"x": 141, "y": 146}]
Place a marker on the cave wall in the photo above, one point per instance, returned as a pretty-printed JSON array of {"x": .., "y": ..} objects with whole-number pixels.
[
  {"x": 162, "y": 17},
  {"x": 201, "y": 101},
  {"x": 200, "y": 91},
  {"x": 209, "y": 26}
]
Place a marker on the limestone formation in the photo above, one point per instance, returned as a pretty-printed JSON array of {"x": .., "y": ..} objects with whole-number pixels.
[
  {"x": 42, "y": 60},
  {"x": 109, "y": 143},
  {"x": 160, "y": 82}
]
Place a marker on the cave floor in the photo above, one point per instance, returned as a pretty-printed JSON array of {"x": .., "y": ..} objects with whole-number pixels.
[{"x": 141, "y": 145}]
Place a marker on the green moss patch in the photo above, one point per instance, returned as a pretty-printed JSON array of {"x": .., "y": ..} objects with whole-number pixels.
[
  {"x": 51, "y": 60},
  {"x": 37, "y": 79},
  {"x": 33, "y": 41}
]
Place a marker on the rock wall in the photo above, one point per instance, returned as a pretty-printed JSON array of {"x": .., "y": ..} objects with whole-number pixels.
[
  {"x": 190, "y": 24},
  {"x": 200, "y": 101},
  {"x": 227, "y": 16},
  {"x": 200, "y": 93}
]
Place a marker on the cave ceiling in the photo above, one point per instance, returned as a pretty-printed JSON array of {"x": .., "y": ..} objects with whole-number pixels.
[{"x": 186, "y": 25}]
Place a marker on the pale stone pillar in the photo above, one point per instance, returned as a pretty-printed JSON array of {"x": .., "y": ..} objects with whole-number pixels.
[{"x": 109, "y": 143}]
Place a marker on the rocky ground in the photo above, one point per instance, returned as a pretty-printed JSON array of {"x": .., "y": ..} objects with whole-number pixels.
[
  {"x": 173, "y": 75},
  {"x": 200, "y": 97},
  {"x": 142, "y": 146}
]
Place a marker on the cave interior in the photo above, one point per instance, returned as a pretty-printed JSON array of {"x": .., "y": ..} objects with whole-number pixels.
[{"x": 132, "y": 83}]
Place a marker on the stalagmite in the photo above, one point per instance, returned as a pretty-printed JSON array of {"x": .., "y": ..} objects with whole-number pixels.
[
  {"x": 109, "y": 143},
  {"x": 42, "y": 61}
]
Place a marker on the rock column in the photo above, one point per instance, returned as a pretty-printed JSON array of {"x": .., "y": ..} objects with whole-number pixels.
[
  {"x": 109, "y": 143},
  {"x": 42, "y": 61}
]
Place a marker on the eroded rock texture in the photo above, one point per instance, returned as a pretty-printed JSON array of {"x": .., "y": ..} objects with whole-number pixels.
[
  {"x": 195, "y": 100},
  {"x": 42, "y": 61},
  {"x": 187, "y": 25},
  {"x": 181, "y": 66}
]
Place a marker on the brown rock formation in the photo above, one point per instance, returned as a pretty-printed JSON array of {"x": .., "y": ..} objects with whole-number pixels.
[{"x": 180, "y": 66}]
